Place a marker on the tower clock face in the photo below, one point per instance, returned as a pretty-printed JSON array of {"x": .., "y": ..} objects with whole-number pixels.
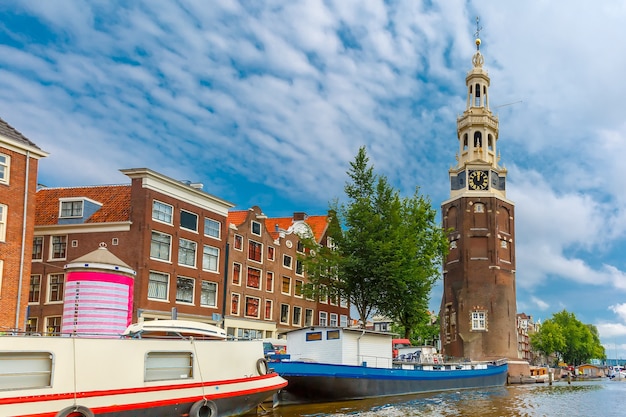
[{"x": 478, "y": 180}]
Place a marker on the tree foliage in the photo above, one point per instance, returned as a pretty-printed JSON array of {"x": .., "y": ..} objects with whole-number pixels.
[
  {"x": 387, "y": 250},
  {"x": 572, "y": 341}
]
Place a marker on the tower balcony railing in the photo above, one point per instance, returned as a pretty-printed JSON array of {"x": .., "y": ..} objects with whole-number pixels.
[{"x": 486, "y": 119}]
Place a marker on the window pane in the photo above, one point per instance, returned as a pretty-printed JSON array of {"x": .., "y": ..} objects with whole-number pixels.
[
  {"x": 254, "y": 278},
  {"x": 157, "y": 286},
  {"x": 55, "y": 287},
  {"x": 210, "y": 256},
  {"x": 162, "y": 212},
  {"x": 255, "y": 251},
  {"x": 208, "y": 294},
  {"x": 187, "y": 252},
  {"x": 59, "y": 246},
  {"x": 184, "y": 290},
  {"x": 252, "y": 307},
  {"x": 188, "y": 220},
  {"x": 37, "y": 248},
  {"x": 160, "y": 246},
  {"x": 212, "y": 228}
]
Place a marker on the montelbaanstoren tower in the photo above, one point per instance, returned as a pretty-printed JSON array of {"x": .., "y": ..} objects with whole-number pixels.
[{"x": 478, "y": 306}]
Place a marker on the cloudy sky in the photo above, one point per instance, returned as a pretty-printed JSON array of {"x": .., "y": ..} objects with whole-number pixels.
[{"x": 266, "y": 103}]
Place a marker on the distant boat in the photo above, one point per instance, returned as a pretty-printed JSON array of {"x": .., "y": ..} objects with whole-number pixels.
[
  {"x": 336, "y": 364},
  {"x": 162, "y": 368}
]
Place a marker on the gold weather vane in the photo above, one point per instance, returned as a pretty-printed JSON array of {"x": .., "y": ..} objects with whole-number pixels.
[{"x": 477, "y": 33}]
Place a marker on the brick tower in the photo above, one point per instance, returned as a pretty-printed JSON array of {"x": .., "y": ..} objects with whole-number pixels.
[{"x": 478, "y": 306}]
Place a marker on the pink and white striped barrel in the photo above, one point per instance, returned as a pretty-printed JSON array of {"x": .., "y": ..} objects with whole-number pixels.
[{"x": 98, "y": 295}]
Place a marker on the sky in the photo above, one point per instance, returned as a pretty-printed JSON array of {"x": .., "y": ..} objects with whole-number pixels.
[{"x": 267, "y": 103}]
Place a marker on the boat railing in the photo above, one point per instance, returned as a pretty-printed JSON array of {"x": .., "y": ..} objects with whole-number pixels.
[{"x": 372, "y": 361}]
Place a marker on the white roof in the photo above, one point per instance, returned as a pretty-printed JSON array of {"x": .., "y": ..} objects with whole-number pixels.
[{"x": 180, "y": 327}]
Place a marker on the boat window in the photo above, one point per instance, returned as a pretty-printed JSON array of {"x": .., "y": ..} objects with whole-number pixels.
[
  {"x": 22, "y": 370},
  {"x": 310, "y": 337},
  {"x": 332, "y": 334},
  {"x": 168, "y": 365}
]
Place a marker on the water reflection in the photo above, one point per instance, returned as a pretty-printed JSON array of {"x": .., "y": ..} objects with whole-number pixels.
[{"x": 560, "y": 399}]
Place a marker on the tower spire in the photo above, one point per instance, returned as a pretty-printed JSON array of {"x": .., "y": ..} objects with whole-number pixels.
[{"x": 477, "y": 33}]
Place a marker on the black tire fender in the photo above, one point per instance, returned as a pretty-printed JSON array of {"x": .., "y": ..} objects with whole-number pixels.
[
  {"x": 203, "y": 408},
  {"x": 75, "y": 411},
  {"x": 261, "y": 366}
]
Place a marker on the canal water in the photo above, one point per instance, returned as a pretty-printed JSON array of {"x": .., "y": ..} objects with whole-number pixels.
[{"x": 596, "y": 398}]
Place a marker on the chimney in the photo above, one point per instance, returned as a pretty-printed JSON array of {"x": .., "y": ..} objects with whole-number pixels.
[{"x": 299, "y": 215}]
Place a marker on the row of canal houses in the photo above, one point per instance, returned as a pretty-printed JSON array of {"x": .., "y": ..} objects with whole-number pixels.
[{"x": 194, "y": 256}]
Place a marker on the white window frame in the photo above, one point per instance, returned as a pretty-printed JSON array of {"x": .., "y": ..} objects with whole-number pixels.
[
  {"x": 238, "y": 283},
  {"x": 204, "y": 293},
  {"x": 158, "y": 285},
  {"x": 281, "y": 285},
  {"x": 280, "y": 319},
  {"x": 255, "y": 228},
  {"x": 53, "y": 244},
  {"x": 308, "y": 318},
  {"x": 265, "y": 316},
  {"x": 160, "y": 212},
  {"x": 212, "y": 228},
  {"x": 39, "y": 239},
  {"x": 186, "y": 248},
  {"x": 49, "y": 288},
  {"x": 191, "y": 213},
  {"x": 343, "y": 320},
  {"x": 232, "y": 296},
  {"x": 294, "y": 322},
  {"x": 258, "y": 309},
  {"x": 193, "y": 289},
  {"x": 479, "y": 320},
  {"x": 334, "y": 320},
  {"x": 323, "y": 318},
  {"x": 295, "y": 288},
  {"x": 287, "y": 261},
  {"x": 30, "y": 286},
  {"x": 76, "y": 208},
  {"x": 260, "y": 278},
  {"x": 3, "y": 222},
  {"x": 238, "y": 238},
  {"x": 5, "y": 168},
  {"x": 254, "y": 243},
  {"x": 161, "y": 244},
  {"x": 269, "y": 288},
  {"x": 210, "y": 258},
  {"x": 271, "y": 249}
]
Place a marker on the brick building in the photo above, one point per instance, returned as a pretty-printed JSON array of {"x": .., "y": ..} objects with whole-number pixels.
[
  {"x": 171, "y": 233},
  {"x": 19, "y": 158},
  {"x": 179, "y": 239},
  {"x": 266, "y": 277}
]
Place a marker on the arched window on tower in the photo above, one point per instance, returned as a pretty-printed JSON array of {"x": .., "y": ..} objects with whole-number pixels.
[
  {"x": 490, "y": 142},
  {"x": 477, "y": 98},
  {"x": 465, "y": 144},
  {"x": 478, "y": 140}
]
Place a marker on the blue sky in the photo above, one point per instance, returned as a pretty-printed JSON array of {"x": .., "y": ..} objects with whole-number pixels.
[{"x": 266, "y": 103}]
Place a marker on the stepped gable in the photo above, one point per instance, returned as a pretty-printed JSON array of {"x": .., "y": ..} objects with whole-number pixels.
[
  {"x": 115, "y": 200},
  {"x": 10, "y": 132}
]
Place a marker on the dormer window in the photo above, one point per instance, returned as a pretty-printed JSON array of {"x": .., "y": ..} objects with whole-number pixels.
[{"x": 72, "y": 208}]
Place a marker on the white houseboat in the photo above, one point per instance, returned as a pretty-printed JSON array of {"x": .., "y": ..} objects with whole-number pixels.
[{"x": 162, "y": 369}]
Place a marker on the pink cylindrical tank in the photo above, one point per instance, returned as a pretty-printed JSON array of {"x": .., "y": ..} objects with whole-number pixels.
[{"x": 98, "y": 295}]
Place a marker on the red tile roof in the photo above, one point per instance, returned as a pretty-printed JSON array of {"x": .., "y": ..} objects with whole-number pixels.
[
  {"x": 237, "y": 217},
  {"x": 316, "y": 223},
  {"x": 115, "y": 200}
]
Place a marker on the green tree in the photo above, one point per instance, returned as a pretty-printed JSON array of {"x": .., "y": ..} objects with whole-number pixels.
[
  {"x": 386, "y": 252},
  {"x": 572, "y": 341}
]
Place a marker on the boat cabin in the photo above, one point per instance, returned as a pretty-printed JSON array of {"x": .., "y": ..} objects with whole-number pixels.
[{"x": 338, "y": 345}]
